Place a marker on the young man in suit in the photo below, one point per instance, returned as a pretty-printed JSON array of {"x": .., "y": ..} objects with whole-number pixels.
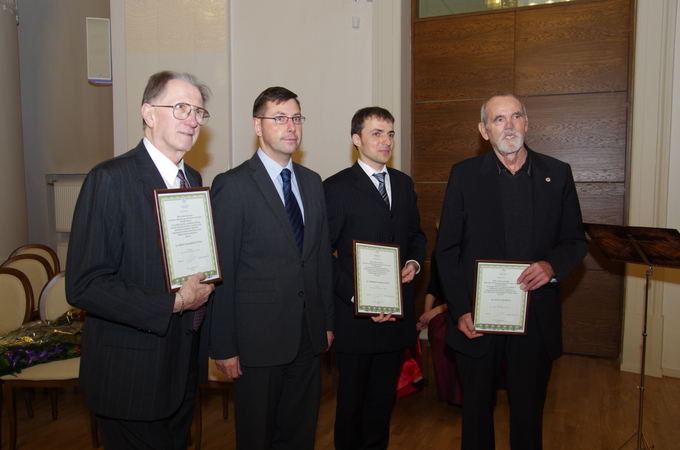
[
  {"x": 273, "y": 313},
  {"x": 138, "y": 367},
  {"x": 508, "y": 204},
  {"x": 371, "y": 202}
]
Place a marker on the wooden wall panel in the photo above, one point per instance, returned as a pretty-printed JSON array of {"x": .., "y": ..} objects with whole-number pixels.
[
  {"x": 569, "y": 63},
  {"x": 444, "y": 133},
  {"x": 455, "y": 57},
  {"x": 430, "y": 199},
  {"x": 586, "y": 131},
  {"x": 569, "y": 48},
  {"x": 592, "y": 313}
]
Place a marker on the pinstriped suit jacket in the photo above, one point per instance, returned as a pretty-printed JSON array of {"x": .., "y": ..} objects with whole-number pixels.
[{"x": 135, "y": 351}]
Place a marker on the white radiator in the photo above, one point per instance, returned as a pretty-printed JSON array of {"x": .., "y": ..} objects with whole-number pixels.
[{"x": 65, "y": 197}]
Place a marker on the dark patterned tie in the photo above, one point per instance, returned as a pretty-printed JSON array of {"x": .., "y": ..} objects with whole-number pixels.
[
  {"x": 293, "y": 209},
  {"x": 199, "y": 314},
  {"x": 381, "y": 187},
  {"x": 183, "y": 183}
]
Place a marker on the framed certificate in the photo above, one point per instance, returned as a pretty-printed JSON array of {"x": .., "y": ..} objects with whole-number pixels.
[
  {"x": 377, "y": 279},
  {"x": 500, "y": 306},
  {"x": 187, "y": 235}
]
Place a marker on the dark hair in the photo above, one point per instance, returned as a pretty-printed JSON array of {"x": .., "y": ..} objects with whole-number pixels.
[
  {"x": 365, "y": 113},
  {"x": 276, "y": 95}
]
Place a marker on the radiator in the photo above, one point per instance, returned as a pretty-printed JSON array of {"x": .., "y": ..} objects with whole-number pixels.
[{"x": 65, "y": 197}]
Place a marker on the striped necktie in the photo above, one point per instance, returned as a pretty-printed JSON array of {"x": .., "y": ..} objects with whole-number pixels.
[
  {"x": 293, "y": 209},
  {"x": 381, "y": 187}
]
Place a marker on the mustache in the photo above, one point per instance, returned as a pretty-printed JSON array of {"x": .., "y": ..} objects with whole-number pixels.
[{"x": 513, "y": 133}]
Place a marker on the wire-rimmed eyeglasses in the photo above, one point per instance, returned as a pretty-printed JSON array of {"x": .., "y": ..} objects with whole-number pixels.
[
  {"x": 282, "y": 120},
  {"x": 181, "y": 111}
]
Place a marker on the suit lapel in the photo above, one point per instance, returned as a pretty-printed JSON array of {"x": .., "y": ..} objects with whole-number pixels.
[
  {"x": 364, "y": 184},
  {"x": 309, "y": 202},
  {"x": 488, "y": 190},
  {"x": 271, "y": 196}
]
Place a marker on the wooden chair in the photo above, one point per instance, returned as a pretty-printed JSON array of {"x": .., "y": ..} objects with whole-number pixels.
[
  {"x": 40, "y": 250},
  {"x": 52, "y": 303},
  {"x": 38, "y": 271},
  {"x": 16, "y": 299},
  {"x": 216, "y": 381}
]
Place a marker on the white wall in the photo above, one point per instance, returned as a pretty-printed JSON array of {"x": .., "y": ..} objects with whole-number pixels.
[
  {"x": 12, "y": 191},
  {"x": 654, "y": 186},
  {"x": 67, "y": 122}
]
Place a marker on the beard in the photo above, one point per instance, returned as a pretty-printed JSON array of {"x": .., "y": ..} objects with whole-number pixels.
[{"x": 508, "y": 147}]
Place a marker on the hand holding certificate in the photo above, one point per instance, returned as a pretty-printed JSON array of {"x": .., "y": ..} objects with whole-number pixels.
[
  {"x": 187, "y": 235},
  {"x": 377, "y": 279},
  {"x": 501, "y": 305}
]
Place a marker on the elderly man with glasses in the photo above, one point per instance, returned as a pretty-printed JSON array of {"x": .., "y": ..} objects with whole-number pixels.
[{"x": 140, "y": 343}]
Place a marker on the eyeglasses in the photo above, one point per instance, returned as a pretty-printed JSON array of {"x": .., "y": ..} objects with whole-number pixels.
[
  {"x": 282, "y": 120},
  {"x": 181, "y": 111}
]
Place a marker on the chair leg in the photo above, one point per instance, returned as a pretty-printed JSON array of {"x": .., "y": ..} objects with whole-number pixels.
[
  {"x": 54, "y": 398},
  {"x": 29, "y": 396},
  {"x": 11, "y": 411},
  {"x": 225, "y": 403}
]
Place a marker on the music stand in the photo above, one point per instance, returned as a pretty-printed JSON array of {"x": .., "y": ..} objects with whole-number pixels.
[{"x": 638, "y": 245}]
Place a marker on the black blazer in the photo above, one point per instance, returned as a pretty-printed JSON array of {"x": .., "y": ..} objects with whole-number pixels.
[
  {"x": 357, "y": 211},
  {"x": 268, "y": 286},
  {"x": 135, "y": 351},
  {"x": 472, "y": 228}
]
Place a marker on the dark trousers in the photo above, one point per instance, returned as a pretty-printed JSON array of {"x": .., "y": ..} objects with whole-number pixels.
[
  {"x": 527, "y": 369},
  {"x": 367, "y": 389},
  {"x": 171, "y": 433},
  {"x": 277, "y": 406}
]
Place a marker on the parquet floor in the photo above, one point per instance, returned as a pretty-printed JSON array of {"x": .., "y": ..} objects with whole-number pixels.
[{"x": 591, "y": 405}]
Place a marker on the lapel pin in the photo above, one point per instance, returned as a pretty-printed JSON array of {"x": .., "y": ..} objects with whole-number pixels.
[{"x": 547, "y": 179}]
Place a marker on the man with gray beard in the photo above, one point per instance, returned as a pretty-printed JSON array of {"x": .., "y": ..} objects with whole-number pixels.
[{"x": 518, "y": 205}]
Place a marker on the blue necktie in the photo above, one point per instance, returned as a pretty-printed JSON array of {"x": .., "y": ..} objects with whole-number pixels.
[
  {"x": 293, "y": 209},
  {"x": 381, "y": 187}
]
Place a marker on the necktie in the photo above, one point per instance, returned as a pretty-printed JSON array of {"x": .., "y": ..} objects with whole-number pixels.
[
  {"x": 183, "y": 183},
  {"x": 293, "y": 209},
  {"x": 381, "y": 187},
  {"x": 199, "y": 314}
]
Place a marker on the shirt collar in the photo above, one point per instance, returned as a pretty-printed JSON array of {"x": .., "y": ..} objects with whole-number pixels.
[
  {"x": 165, "y": 166},
  {"x": 526, "y": 167},
  {"x": 273, "y": 168},
  {"x": 369, "y": 170}
]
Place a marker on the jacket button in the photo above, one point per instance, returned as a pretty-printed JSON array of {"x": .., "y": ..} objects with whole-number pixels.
[{"x": 301, "y": 293}]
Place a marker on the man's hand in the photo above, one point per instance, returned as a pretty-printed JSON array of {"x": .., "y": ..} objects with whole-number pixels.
[
  {"x": 382, "y": 317},
  {"x": 193, "y": 294},
  {"x": 330, "y": 337},
  {"x": 535, "y": 276},
  {"x": 409, "y": 272},
  {"x": 466, "y": 326},
  {"x": 230, "y": 367}
]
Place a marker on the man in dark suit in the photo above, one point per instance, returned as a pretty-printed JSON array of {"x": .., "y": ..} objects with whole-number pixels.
[
  {"x": 508, "y": 204},
  {"x": 139, "y": 347},
  {"x": 370, "y": 202},
  {"x": 273, "y": 313}
]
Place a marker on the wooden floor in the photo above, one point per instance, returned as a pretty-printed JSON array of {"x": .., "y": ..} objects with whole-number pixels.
[{"x": 591, "y": 405}]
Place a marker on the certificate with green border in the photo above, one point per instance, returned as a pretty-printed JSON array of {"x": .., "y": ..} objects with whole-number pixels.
[
  {"x": 500, "y": 306},
  {"x": 187, "y": 235},
  {"x": 377, "y": 279}
]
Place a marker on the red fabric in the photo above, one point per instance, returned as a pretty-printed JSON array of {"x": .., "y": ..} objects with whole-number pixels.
[{"x": 411, "y": 370}]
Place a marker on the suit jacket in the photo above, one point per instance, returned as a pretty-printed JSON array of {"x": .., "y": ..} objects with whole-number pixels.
[
  {"x": 471, "y": 228},
  {"x": 135, "y": 351},
  {"x": 268, "y": 285},
  {"x": 357, "y": 211}
]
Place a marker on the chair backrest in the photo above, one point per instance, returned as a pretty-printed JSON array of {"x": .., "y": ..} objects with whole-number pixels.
[
  {"x": 53, "y": 302},
  {"x": 16, "y": 299},
  {"x": 40, "y": 250},
  {"x": 37, "y": 270}
]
